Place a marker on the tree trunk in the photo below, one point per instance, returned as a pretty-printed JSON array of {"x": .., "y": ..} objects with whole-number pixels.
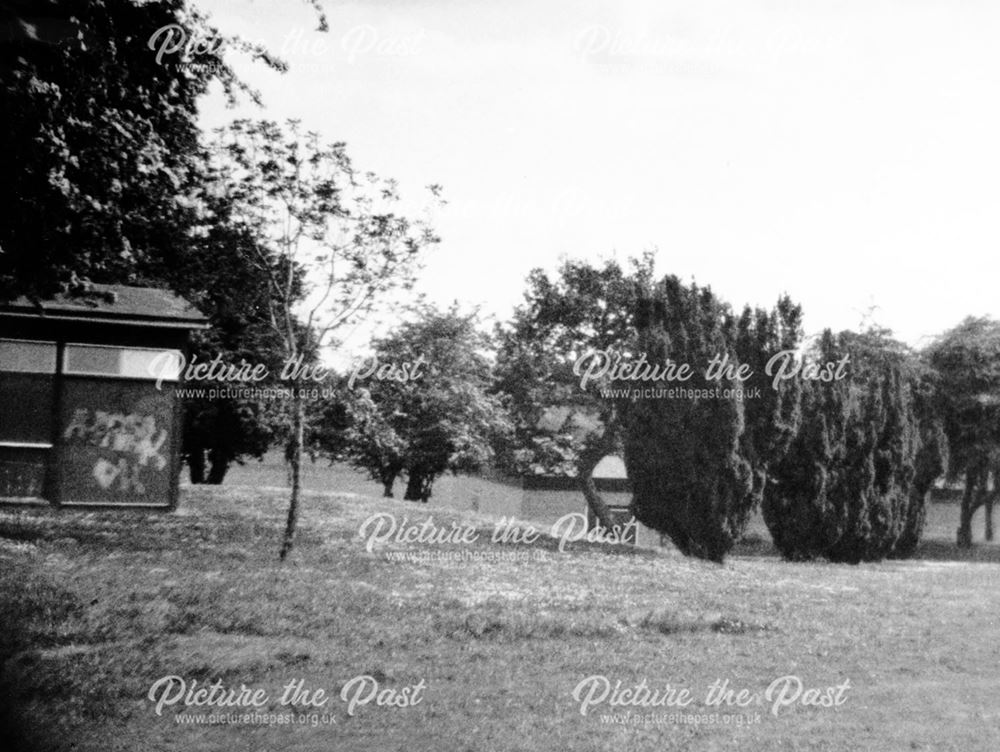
[
  {"x": 588, "y": 460},
  {"x": 196, "y": 466},
  {"x": 388, "y": 478},
  {"x": 418, "y": 486},
  {"x": 990, "y": 497},
  {"x": 298, "y": 420},
  {"x": 219, "y": 468},
  {"x": 989, "y": 518},
  {"x": 968, "y": 508}
]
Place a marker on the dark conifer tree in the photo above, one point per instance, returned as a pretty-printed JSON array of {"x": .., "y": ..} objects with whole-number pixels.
[
  {"x": 846, "y": 488},
  {"x": 689, "y": 478},
  {"x": 771, "y": 416}
]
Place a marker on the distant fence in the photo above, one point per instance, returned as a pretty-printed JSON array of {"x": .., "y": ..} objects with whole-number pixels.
[
  {"x": 946, "y": 495},
  {"x": 564, "y": 483}
]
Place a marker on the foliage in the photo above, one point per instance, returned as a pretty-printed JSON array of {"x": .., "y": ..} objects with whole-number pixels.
[
  {"x": 771, "y": 416},
  {"x": 933, "y": 456},
  {"x": 101, "y": 139},
  {"x": 584, "y": 309},
  {"x": 967, "y": 360},
  {"x": 846, "y": 488},
  {"x": 431, "y": 412},
  {"x": 703, "y": 503},
  {"x": 559, "y": 428},
  {"x": 217, "y": 271},
  {"x": 689, "y": 477}
]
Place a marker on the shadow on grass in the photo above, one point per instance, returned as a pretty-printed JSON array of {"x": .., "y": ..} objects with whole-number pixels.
[
  {"x": 934, "y": 549},
  {"x": 131, "y": 532},
  {"x": 31, "y": 604},
  {"x": 941, "y": 550}
]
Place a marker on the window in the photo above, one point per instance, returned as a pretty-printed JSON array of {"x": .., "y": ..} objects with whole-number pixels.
[
  {"x": 27, "y": 356},
  {"x": 122, "y": 362},
  {"x": 22, "y": 473},
  {"x": 27, "y": 395}
]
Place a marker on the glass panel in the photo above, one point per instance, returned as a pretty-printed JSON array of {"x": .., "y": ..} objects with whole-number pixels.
[
  {"x": 26, "y": 405},
  {"x": 87, "y": 359},
  {"x": 151, "y": 364},
  {"x": 27, "y": 357},
  {"x": 22, "y": 473},
  {"x": 124, "y": 362}
]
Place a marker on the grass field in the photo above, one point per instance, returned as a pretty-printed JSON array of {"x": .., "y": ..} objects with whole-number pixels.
[{"x": 99, "y": 606}]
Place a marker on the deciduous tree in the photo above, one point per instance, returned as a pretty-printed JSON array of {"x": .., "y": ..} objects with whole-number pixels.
[
  {"x": 560, "y": 428},
  {"x": 967, "y": 359},
  {"x": 430, "y": 410},
  {"x": 328, "y": 237},
  {"x": 101, "y": 142}
]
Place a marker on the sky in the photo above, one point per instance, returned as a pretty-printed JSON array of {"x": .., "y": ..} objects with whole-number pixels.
[{"x": 843, "y": 151}]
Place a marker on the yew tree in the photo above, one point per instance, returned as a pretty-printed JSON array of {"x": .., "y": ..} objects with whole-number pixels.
[
  {"x": 848, "y": 489},
  {"x": 690, "y": 479}
]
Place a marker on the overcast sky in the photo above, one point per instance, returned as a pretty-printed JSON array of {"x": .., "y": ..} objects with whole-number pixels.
[{"x": 845, "y": 152}]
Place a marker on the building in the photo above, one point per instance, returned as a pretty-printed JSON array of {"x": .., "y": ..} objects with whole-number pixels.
[{"x": 89, "y": 414}]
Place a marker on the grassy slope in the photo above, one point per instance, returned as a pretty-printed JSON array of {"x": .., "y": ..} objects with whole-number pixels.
[{"x": 97, "y": 606}]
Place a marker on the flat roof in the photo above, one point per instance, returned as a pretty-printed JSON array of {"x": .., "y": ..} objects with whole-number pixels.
[{"x": 113, "y": 304}]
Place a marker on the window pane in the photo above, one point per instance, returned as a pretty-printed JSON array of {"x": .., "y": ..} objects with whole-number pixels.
[
  {"x": 125, "y": 362},
  {"x": 98, "y": 360},
  {"x": 30, "y": 357},
  {"x": 26, "y": 404},
  {"x": 151, "y": 364},
  {"x": 22, "y": 472}
]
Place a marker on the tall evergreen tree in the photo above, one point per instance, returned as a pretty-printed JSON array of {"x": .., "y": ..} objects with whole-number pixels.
[
  {"x": 933, "y": 456},
  {"x": 683, "y": 457},
  {"x": 845, "y": 489},
  {"x": 772, "y": 415}
]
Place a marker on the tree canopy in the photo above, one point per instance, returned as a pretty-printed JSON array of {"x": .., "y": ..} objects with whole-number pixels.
[
  {"x": 967, "y": 360},
  {"x": 582, "y": 311},
  {"x": 430, "y": 410},
  {"x": 101, "y": 157}
]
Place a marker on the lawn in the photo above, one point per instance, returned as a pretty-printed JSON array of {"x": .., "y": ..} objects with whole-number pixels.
[{"x": 482, "y": 651}]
